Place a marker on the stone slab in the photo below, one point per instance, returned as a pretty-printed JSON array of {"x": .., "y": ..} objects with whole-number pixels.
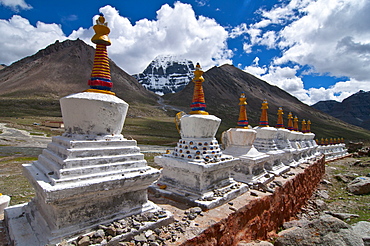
[{"x": 234, "y": 189}]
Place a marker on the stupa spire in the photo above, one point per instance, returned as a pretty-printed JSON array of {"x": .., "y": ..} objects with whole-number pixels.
[
  {"x": 295, "y": 124},
  {"x": 198, "y": 105},
  {"x": 280, "y": 121},
  {"x": 290, "y": 121},
  {"x": 304, "y": 126},
  {"x": 308, "y": 126},
  {"x": 243, "y": 119},
  {"x": 100, "y": 80},
  {"x": 264, "y": 122}
]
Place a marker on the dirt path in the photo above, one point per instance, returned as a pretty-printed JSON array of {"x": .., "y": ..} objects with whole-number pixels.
[{"x": 15, "y": 137}]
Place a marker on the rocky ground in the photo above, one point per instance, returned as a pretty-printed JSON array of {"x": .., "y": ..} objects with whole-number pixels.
[{"x": 334, "y": 215}]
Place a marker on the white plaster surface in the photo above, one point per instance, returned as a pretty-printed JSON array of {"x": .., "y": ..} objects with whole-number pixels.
[
  {"x": 4, "y": 202},
  {"x": 193, "y": 182},
  {"x": 90, "y": 115},
  {"x": 266, "y": 142},
  {"x": 196, "y": 177},
  {"x": 199, "y": 126},
  {"x": 80, "y": 184},
  {"x": 250, "y": 167},
  {"x": 238, "y": 137}
]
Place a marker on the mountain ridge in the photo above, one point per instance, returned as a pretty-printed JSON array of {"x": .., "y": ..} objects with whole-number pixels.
[
  {"x": 63, "y": 68},
  {"x": 354, "y": 109},
  {"x": 223, "y": 86}
]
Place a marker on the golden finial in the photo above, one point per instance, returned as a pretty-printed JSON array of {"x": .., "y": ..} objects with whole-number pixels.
[
  {"x": 101, "y": 20},
  {"x": 198, "y": 105},
  {"x": 198, "y": 73},
  {"x": 303, "y": 126},
  {"x": 290, "y": 121},
  {"x": 264, "y": 118},
  {"x": 280, "y": 121},
  {"x": 322, "y": 141},
  {"x": 100, "y": 80},
  {"x": 308, "y": 126},
  {"x": 101, "y": 32},
  {"x": 295, "y": 124},
  {"x": 243, "y": 119}
]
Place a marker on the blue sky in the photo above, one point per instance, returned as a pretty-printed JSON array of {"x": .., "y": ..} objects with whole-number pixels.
[{"x": 315, "y": 50}]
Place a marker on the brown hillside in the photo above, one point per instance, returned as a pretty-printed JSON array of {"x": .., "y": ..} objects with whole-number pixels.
[
  {"x": 61, "y": 69},
  {"x": 223, "y": 86}
]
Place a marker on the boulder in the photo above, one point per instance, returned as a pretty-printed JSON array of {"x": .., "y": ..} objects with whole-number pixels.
[
  {"x": 359, "y": 186},
  {"x": 326, "y": 230},
  {"x": 362, "y": 228},
  {"x": 343, "y": 216},
  {"x": 352, "y": 147}
]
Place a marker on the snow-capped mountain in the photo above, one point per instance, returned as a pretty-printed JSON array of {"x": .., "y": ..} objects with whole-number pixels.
[{"x": 166, "y": 74}]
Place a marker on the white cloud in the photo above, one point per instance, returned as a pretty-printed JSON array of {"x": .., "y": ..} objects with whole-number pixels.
[
  {"x": 176, "y": 31},
  {"x": 255, "y": 69},
  {"x": 329, "y": 36},
  {"x": 283, "y": 77},
  {"x": 15, "y": 5},
  {"x": 339, "y": 91},
  {"x": 286, "y": 78},
  {"x": 333, "y": 37},
  {"x": 20, "y": 38}
]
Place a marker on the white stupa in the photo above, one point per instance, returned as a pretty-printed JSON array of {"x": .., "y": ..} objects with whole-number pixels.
[
  {"x": 196, "y": 171},
  {"x": 91, "y": 174}
]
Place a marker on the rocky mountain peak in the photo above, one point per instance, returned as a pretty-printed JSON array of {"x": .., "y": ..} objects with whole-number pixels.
[
  {"x": 166, "y": 74},
  {"x": 355, "y": 109}
]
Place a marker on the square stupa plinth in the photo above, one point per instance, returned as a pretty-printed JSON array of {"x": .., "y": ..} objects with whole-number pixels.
[
  {"x": 196, "y": 171},
  {"x": 265, "y": 142},
  {"x": 283, "y": 142},
  {"x": 309, "y": 139},
  {"x": 89, "y": 176},
  {"x": 250, "y": 167}
]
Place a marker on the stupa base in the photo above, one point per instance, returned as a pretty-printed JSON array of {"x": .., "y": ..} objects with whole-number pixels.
[
  {"x": 198, "y": 183},
  {"x": 250, "y": 169},
  {"x": 251, "y": 179},
  {"x": 24, "y": 229},
  {"x": 280, "y": 169},
  {"x": 206, "y": 201}
]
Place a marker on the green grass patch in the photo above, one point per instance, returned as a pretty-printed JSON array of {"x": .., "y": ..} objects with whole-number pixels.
[
  {"x": 12, "y": 181},
  {"x": 149, "y": 157},
  {"x": 341, "y": 200},
  {"x": 150, "y": 130}
]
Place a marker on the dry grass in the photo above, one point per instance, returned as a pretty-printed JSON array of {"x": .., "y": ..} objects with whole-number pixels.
[{"x": 341, "y": 200}]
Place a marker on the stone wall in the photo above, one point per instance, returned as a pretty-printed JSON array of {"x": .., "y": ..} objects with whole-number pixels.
[{"x": 261, "y": 217}]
